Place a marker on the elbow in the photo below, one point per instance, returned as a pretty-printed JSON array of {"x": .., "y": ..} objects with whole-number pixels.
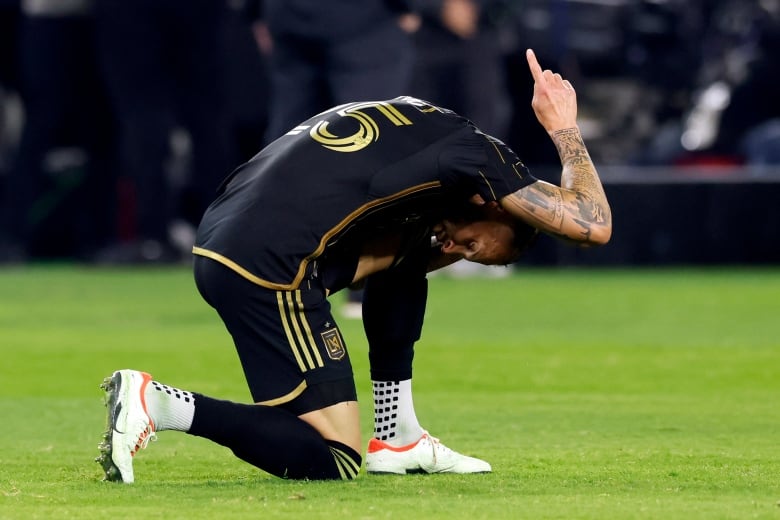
[
  {"x": 593, "y": 235},
  {"x": 601, "y": 228}
]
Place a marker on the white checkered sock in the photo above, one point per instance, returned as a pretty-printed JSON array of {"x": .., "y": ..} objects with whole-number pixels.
[
  {"x": 169, "y": 408},
  {"x": 394, "y": 419}
]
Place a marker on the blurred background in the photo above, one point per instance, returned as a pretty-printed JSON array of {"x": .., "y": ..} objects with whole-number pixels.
[{"x": 119, "y": 119}]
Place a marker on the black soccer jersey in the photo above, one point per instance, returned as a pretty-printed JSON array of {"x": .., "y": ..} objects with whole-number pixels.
[{"x": 345, "y": 175}]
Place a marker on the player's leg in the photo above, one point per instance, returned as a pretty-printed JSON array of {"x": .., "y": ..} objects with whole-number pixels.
[
  {"x": 393, "y": 321},
  {"x": 394, "y": 306},
  {"x": 273, "y": 439},
  {"x": 295, "y": 360},
  {"x": 305, "y": 423}
]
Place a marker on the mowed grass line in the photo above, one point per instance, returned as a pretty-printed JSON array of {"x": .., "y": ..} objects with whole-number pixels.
[{"x": 594, "y": 394}]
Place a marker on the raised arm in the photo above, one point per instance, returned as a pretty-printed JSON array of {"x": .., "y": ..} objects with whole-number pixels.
[{"x": 577, "y": 210}]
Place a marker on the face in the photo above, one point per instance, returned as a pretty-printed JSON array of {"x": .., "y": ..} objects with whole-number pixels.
[{"x": 486, "y": 242}]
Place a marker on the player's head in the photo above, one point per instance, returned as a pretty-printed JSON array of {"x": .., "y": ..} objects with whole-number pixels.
[{"x": 485, "y": 234}]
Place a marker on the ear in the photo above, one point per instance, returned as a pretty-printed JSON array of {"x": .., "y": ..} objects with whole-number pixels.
[{"x": 447, "y": 247}]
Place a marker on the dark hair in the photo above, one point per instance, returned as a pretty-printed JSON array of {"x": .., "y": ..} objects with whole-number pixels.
[{"x": 525, "y": 237}]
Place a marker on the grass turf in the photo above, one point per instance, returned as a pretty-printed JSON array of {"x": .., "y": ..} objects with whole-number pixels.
[{"x": 594, "y": 394}]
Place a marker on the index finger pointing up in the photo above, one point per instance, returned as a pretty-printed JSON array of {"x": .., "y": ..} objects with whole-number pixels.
[{"x": 533, "y": 64}]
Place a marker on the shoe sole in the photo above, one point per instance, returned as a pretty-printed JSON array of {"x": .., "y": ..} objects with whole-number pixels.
[
  {"x": 418, "y": 471},
  {"x": 111, "y": 386}
]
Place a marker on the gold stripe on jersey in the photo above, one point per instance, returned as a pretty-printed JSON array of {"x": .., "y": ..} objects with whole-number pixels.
[
  {"x": 492, "y": 193},
  {"x": 518, "y": 172},
  {"x": 227, "y": 262},
  {"x": 230, "y": 264},
  {"x": 393, "y": 114},
  {"x": 389, "y": 111},
  {"x": 301, "y": 342},
  {"x": 288, "y": 331},
  {"x": 348, "y": 468},
  {"x": 355, "y": 214},
  {"x": 298, "y": 332},
  {"x": 495, "y": 146},
  {"x": 307, "y": 329},
  {"x": 494, "y": 141},
  {"x": 298, "y": 390}
]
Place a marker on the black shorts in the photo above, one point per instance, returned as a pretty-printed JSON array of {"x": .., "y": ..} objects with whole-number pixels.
[{"x": 291, "y": 350}]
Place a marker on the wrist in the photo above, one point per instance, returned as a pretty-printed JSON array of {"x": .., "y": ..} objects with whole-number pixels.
[
  {"x": 564, "y": 130},
  {"x": 569, "y": 143}
]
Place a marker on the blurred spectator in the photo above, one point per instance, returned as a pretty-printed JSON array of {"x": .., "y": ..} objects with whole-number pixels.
[
  {"x": 324, "y": 54},
  {"x": 163, "y": 65},
  {"x": 55, "y": 193},
  {"x": 460, "y": 61}
]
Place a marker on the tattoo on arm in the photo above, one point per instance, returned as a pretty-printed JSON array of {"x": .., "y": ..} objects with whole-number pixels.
[
  {"x": 579, "y": 175},
  {"x": 577, "y": 210},
  {"x": 545, "y": 203}
]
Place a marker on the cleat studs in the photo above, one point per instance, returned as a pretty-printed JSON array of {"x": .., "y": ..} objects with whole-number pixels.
[{"x": 107, "y": 384}]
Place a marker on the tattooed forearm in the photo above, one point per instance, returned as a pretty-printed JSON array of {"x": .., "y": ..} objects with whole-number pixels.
[
  {"x": 570, "y": 146},
  {"x": 579, "y": 175},
  {"x": 576, "y": 211}
]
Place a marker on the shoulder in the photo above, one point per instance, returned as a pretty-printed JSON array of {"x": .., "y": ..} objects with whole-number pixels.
[{"x": 417, "y": 109}]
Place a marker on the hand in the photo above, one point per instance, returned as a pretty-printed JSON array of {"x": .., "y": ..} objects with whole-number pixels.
[{"x": 554, "y": 101}]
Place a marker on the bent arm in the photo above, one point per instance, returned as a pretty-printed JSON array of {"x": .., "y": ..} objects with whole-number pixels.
[{"x": 577, "y": 210}]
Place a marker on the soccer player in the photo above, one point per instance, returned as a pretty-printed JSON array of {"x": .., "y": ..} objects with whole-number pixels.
[{"x": 378, "y": 193}]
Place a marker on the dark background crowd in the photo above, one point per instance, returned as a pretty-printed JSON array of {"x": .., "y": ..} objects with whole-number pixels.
[{"x": 119, "y": 118}]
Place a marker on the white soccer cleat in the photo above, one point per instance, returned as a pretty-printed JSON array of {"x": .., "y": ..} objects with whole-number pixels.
[
  {"x": 128, "y": 425},
  {"x": 427, "y": 455}
]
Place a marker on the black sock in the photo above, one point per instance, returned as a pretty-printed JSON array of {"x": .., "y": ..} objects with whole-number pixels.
[
  {"x": 393, "y": 312},
  {"x": 274, "y": 440}
]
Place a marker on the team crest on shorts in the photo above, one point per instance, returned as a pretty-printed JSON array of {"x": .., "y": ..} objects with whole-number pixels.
[{"x": 333, "y": 344}]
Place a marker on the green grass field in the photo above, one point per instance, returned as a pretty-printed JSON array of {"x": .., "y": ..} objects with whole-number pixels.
[{"x": 594, "y": 393}]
